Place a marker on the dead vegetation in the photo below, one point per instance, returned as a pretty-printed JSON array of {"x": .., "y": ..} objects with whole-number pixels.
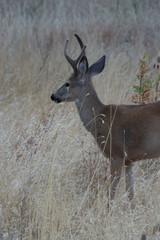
[{"x": 52, "y": 175}]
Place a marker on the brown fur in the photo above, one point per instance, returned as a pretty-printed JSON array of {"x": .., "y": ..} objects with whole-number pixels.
[{"x": 124, "y": 133}]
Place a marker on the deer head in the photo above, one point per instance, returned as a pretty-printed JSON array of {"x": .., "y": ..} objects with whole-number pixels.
[{"x": 77, "y": 85}]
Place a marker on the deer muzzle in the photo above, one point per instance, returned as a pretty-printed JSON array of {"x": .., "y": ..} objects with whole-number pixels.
[{"x": 55, "y": 98}]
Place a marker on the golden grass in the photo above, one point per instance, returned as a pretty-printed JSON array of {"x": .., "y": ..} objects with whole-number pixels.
[{"x": 52, "y": 175}]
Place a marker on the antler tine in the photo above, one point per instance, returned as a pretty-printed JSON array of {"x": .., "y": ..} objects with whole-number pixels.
[
  {"x": 79, "y": 40},
  {"x": 81, "y": 55},
  {"x": 72, "y": 62}
]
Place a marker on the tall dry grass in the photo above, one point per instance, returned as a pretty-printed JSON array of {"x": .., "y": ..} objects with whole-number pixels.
[{"x": 53, "y": 179}]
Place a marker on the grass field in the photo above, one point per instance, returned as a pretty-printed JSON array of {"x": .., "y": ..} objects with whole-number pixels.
[{"x": 52, "y": 175}]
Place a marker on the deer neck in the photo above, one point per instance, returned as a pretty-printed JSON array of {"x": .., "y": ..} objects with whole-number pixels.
[{"x": 89, "y": 108}]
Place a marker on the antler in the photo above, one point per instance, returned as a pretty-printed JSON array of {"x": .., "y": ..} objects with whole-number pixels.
[
  {"x": 72, "y": 62},
  {"x": 79, "y": 40}
]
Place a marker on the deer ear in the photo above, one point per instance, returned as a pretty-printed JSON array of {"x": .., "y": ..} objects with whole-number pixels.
[
  {"x": 97, "y": 67},
  {"x": 83, "y": 65}
]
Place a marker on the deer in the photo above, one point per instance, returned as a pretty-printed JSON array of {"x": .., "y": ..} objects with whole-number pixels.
[{"x": 124, "y": 133}]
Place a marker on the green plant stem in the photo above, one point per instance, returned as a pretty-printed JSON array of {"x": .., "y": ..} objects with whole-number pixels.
[{"x": 141, "y": 78}]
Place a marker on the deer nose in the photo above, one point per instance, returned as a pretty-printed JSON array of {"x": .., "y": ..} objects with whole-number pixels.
[{"x": 53, "y": 98}]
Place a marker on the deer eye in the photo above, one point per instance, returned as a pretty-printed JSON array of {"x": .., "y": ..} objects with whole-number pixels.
[{"x": 67, "y": 84}]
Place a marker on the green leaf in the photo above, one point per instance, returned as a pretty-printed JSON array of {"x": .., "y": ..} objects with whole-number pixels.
[{"x": 144, "y": 55}]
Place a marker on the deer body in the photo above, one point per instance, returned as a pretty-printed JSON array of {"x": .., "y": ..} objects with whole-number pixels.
[
  {"x": 124, "y": 133},
  {"x": 127, "y": 131}
]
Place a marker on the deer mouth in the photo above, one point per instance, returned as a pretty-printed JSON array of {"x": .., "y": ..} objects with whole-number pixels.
[{"x": 57, "y": 100}]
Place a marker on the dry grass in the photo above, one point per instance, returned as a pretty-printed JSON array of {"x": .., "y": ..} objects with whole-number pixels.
[{"x": 53, "y": 179}]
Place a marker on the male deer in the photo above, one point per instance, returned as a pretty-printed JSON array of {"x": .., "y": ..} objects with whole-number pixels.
[{"x": 124, "y": 133}]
